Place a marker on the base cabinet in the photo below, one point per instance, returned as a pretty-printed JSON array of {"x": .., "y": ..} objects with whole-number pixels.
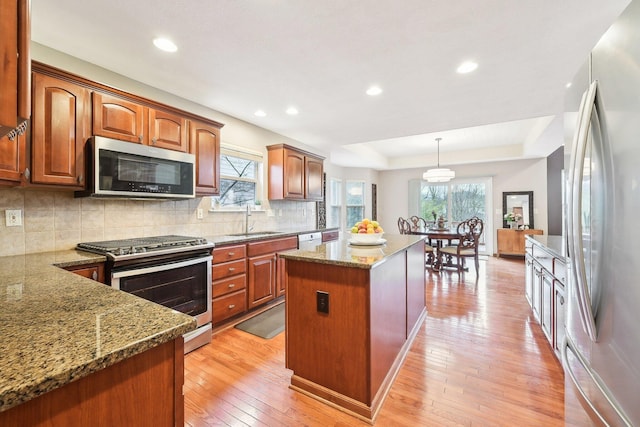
[
  {"x": 229, "y": 281},
  {"x": 545, "y": 279},
  {"x": 143, "y": 390},
  {"x": 265, "y": 270},
  {"x": 90, "y": 271}
]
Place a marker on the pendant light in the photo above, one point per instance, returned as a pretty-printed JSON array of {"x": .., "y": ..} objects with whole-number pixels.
[{"x": 439, "y": 174}]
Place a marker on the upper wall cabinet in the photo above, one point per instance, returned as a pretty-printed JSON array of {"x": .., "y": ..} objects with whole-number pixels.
[
  {"x": 15, "y": 35},
  {"x": 118, "y": 118},
  {"x": 68, "y": 109},
  {"x": 204, "y": 143},
  {"x": 294, "y": 174},
  {"x": 60, "y": 128},
  {"x": 13, "y": 154}
]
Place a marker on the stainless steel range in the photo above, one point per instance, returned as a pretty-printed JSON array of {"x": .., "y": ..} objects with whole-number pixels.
[{"x": 174, "y": 271}]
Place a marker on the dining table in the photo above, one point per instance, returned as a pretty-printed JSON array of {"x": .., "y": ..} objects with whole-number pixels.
[{"x": 440, "y": 235}]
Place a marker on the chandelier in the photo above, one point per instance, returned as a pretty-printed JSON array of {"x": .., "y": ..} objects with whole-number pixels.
[{"x": 439, "y": 174}]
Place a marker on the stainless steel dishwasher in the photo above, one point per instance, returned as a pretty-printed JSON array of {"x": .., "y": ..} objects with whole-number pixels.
[{"x": 307, "y": 241}]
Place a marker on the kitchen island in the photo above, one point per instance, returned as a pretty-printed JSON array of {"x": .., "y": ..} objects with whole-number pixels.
[
  {"x": 352, "y": 313},
  {"x": 77, "y": 352}
]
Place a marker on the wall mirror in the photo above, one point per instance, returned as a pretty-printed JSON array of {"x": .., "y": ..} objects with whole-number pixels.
[{"x": 518, "y": 202}]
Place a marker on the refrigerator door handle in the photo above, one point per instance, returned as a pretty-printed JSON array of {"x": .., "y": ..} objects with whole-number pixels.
[
  {"x": 613, "y": 412},
  {"x": 575, "y": 247}
]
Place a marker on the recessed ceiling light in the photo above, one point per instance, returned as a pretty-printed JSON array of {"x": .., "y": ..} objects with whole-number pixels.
[
  {"x": 467, "y": 67},
  {"x": 260, "y": 113},
  {"x": 374, "y": 90},
  {"x": 292, "y": 111},
  {"x": 165, "y": 44}
]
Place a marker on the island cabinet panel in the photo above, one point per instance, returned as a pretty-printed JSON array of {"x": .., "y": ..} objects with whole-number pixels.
[
  {"x": 339, "y": 339},
  {"x": 60, "y": 128},
  {"x": 145, "y": 389},
  {"x": 416, "y": 297},
  {"x": 349, "y": 355}
]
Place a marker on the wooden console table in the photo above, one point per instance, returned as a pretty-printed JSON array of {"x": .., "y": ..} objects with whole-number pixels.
[{"x": 511, "y": 242}]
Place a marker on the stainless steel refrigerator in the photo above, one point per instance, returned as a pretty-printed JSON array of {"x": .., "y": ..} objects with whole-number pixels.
[{"x": 601, "y": 353}]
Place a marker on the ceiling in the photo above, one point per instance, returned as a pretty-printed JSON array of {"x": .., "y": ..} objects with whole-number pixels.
[{"x": 239, "y": 56}]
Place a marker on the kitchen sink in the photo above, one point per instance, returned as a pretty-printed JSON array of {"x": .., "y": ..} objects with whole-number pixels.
[{"x": 255, "y": 233}]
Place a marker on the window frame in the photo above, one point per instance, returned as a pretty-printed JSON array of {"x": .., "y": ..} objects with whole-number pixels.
[{"x": 246, "y": 154}]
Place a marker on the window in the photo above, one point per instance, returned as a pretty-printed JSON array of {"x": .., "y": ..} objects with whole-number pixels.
[
  {"x": 240, "y": 178},
  {"x": 334, "y": 211},
  {"x": 355, "y": 202},
  {"x": 455, "y": 201}
]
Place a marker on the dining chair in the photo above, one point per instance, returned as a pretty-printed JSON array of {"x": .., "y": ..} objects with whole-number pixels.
[
  {"x": 407, "y": 227},
  {"x": 418, "y": 223},
  {"x": 470, "y": 231}
]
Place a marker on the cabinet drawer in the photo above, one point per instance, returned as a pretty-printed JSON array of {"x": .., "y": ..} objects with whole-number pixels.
[
  {"x": 271, "y": 246},
  {"x": 227, "y": 269},
  {"x": 544, "y": 258},
  {"x": 226, "y": 286},
  {"x": 229, "y": 253},
  {"x": 560, "y": 270},
  {"x": 229, "y": 306},
  {"x": 330, "y": 235}
]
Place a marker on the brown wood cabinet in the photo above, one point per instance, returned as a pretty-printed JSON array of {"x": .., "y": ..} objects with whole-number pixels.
[
  {"x": 294, "y": 174},
  {"x": 204, "y": 143},
  {"x": 90, "y": 271},
  {"x": 145, "y": 389},
  {"x": 60, "y": 128},
  {"x": 70, "y": 108},
  {"x": 229, "y": 277},
  {"x": 15, "y": 36},
  {"x": 118, "y": 118},
  {"x": 330, "y": 235},
  {"x": 511, "y": 242},
  {"x": 13, "y": 160},
  {"x": 265, "y": 278}
]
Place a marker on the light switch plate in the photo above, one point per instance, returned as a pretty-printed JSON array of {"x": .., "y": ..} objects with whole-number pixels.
[{"x": 13, "y": 217}]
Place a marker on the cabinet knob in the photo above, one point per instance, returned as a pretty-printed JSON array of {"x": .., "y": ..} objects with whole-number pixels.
[
  {"x": 27, "y": 174},
  {"x": 94, "y": 275},
  {"x": 232, "y": 306},
  {"x": 232, "y": 269},
  {"x": 232, "y": 285},
  {"x": 231, "y": 253},
  {"x": 140, "y": 138},
  {"x": 153, "y": 141},
  {"x": 80, "y": 179}
]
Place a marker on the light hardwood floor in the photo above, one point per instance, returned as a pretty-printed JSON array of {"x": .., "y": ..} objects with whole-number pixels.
[{"x": 480, "y": 359}]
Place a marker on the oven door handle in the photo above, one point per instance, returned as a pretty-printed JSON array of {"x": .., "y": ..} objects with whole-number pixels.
[{"x": 157, "y": 268}]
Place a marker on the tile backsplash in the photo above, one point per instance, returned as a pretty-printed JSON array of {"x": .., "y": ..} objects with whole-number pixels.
[{"x": 55, "y": 220}]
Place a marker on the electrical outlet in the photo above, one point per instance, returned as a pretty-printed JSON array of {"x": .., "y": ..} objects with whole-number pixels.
[
  {"x": 199, "y": 213},
  {"x": 322, "y": 302},
  {"x": 13, "y": 217}
]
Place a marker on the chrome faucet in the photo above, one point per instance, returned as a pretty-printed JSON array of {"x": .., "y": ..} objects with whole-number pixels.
[{"x": 247, "y": 228}]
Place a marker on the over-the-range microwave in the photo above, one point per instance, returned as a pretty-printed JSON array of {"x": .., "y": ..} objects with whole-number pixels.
[{"x": 128, "y": 170}]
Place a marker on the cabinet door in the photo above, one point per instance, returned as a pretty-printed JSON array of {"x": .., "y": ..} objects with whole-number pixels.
[
  {"x": 536, "y": 291},
  {"x": 294, "y": 185},
  {"x": 168, "y": 130},
  {"x": 314, "y": 173},
  {"x": 59, "y": 131},
  {"x": 559, "y": 310},
  {"x": 204, "y": 142},
  {"x": 546, "y": 314},
  {"x": 281, "y": 284},
  {"x": 15, "y": 65},
  {"x": 262, "y": 279},
  {"x": 528, "y": 279},
  {"x": 117, "y": 118},
  {"x": 13, "y": 158}
]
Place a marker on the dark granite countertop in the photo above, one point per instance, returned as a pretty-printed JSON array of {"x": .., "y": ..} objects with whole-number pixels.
[
  {"x": 341, "y": 252},
  {"x": 57, "y": 326}
]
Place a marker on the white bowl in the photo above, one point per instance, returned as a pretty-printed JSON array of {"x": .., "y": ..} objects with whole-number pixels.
[{"x": 364, "y": 238}]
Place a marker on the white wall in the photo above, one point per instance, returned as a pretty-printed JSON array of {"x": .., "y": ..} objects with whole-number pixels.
[{"x": 516, "y": 175}]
